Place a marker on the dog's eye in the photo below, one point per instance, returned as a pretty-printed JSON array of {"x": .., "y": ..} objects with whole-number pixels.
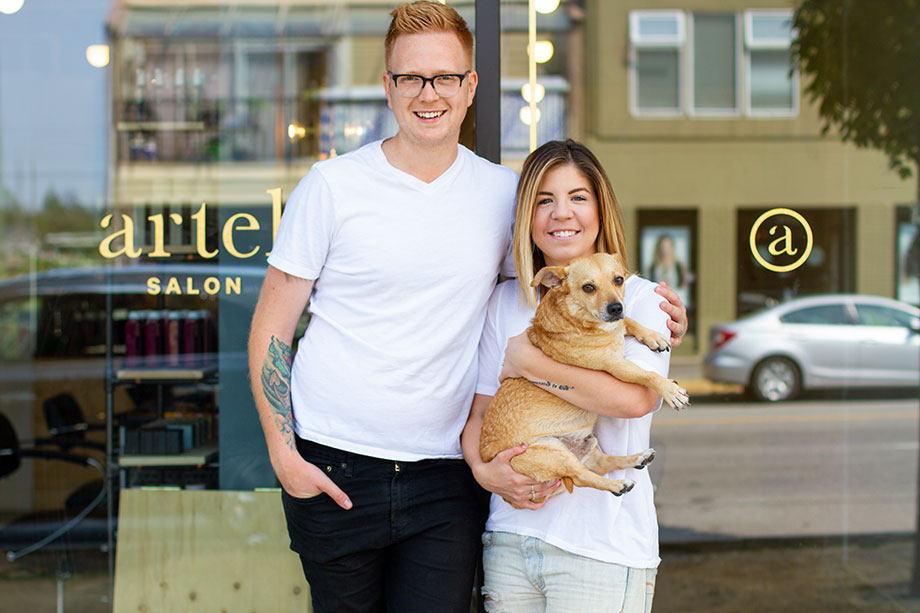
[
  {"x": 618, "y": 280},
  {"x": 587, "y": 288}
]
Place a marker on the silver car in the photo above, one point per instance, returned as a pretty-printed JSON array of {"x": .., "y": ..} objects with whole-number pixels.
[{"x": 829, "y": 341}]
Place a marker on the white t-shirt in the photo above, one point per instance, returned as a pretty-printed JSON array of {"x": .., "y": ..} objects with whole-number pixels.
[
  {"x": 588, "y": 522},
  {"x": 403, "y": 271}
]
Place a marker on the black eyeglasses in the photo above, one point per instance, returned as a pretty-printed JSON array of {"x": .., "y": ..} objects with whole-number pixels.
[{"x": 411, "y": 85}]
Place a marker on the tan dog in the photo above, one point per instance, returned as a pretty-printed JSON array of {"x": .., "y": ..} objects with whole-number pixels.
[{"x": 580, "y": 322}]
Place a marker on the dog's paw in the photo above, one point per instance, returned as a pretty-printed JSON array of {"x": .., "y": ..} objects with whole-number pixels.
[
  {"x": 656, "y": 342},
  {"x": 628, "y": 484},
  {"x": 675, "y": 396},
  {"x": 645, "y": 458}
]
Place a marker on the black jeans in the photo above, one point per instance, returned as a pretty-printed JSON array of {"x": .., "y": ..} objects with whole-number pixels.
[{"x": 411, "y": 541}]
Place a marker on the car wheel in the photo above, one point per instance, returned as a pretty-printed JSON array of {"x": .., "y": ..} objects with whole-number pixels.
[{"x": 776, "y": 379}]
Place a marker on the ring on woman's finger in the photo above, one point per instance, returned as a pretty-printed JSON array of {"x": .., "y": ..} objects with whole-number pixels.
[{"x": 532, "y": 492}]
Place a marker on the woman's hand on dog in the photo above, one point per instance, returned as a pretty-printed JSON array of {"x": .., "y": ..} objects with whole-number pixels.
[
  {"x": 676, "y": 309},
  {"x": 518, "y": 354},
  {"x": 499, "y": 477},
  {"x": 301, "y": 479}
]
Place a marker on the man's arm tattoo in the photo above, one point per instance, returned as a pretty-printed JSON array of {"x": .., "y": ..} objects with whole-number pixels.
[
  {"x": 276, "y": 385},
  {"x": 551, "y": 385}
]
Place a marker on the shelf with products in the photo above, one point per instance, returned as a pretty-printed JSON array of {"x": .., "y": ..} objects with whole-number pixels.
[
  {"x": 166, "y": 374},
  {"x": 171, "y": 371},
  {"x": 196, "y": 456}
]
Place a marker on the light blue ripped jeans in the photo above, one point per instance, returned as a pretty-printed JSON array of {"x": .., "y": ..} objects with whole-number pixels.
[{"x": 527, "y": 575}]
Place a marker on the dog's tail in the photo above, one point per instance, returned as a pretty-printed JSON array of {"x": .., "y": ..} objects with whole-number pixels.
[{"x": 568, "y": 483}]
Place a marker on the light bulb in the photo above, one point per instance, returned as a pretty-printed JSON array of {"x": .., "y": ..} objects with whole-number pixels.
[
  {"x": 525, "y": 92},
  {"x": 546, "y": 6},
  {"x": 296, "y": 131},
  {"x": 525, "y": 115},
  {"x": 543, "y": 51},
  {"x": 10, "y": 6},
  {"x": 98, "y": 55}
]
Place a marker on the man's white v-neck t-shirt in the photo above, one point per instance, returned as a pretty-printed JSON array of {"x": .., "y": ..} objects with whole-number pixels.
[{"x": 403, "y": 271}]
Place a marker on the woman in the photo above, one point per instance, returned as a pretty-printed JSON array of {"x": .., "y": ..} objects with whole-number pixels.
[
  {"x": 666, "y": 267},
  {"x": 586, "y": 551}
]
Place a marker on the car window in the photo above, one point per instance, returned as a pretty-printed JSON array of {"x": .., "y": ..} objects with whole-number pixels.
[
  {"x": 827, "y": 314},
  {"x": 877, "y": 315}
]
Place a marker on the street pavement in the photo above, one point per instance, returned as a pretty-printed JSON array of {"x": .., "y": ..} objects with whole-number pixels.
[
  {"x": 797, "y": 507},
  {"x": 809, "y": 468}
]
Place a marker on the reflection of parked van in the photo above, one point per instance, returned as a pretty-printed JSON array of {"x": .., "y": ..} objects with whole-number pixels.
[{"x": 62, "y": 313}]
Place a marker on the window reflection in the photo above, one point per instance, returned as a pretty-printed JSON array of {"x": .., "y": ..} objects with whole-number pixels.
[
  {"x": 689, "y": 62},
  {"x": 203, "y": 102},
  {"x": 696, "y": 110},
  {"x": 830, "y": 314}
]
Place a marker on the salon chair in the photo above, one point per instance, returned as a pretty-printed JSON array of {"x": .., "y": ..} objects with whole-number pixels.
[{"x": 33, "y": 531}]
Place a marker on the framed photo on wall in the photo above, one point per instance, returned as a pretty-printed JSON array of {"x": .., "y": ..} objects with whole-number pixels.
[
  {"x": 667, "y": 252},
  {"x": 664, "y": 255},
  {"x": 907, "y": 257}
]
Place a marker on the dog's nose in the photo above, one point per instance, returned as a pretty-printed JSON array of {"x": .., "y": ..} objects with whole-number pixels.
[{"x": 614, "y": 310}]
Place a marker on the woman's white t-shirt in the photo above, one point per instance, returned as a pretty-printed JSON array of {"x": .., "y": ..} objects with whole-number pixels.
[{"x": 593, "y": 523}]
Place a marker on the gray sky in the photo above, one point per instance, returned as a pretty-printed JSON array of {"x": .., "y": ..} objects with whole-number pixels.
[{"x": 52, "y": 102}]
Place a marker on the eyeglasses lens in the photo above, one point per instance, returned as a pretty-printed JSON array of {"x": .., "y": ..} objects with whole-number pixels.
[{"x": 411, "y": 86}]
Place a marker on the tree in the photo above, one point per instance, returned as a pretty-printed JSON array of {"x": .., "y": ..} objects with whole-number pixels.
[
  {"x": 63, "y": 214},
  {"x": 861, "y": 57}
]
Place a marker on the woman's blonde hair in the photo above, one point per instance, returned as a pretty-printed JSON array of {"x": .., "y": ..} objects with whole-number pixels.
[
  {"x": 610, "y": 237},
  {"x": 423, "y": 16}
]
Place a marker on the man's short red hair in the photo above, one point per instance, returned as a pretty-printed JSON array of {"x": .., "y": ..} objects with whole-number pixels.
[{"x": 424, "y": 16}]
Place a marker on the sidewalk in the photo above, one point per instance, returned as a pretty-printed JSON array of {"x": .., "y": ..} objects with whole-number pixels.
[
  {"x": 870, "y": 573},
  {"x": 867, "y": 574},
  {"x": 688, "y": 371},
  {"x": 794, "y": 575}
]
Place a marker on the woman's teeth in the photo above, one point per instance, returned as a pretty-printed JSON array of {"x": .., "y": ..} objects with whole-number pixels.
[
  {"x": 563, "y": 233},
  {"x": 429, "y": 114}
]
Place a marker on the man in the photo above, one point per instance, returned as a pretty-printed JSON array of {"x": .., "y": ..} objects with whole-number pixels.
[
  {"x": 400, "y": 244},
  {"x": 397, "y": 247}
]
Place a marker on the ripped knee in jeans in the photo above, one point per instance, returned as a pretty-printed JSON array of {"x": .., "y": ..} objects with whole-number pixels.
[{"x": 492, "y": 601}]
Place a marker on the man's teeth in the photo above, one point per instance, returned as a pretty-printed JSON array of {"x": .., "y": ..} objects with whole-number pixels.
[
  {"x": 563, "y": 233},
  {"x": 429, "y": 114}
]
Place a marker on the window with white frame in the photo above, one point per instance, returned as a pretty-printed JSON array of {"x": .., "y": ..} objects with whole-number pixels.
[
  {"x": 771, "y": 85},
  {"x": 711, "y": 64},
  {"x": 658, "y": 39}
]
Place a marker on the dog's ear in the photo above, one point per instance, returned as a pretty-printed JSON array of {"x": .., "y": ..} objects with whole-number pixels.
[
  {"x": 550, "y": 276},
  {"x": 619, "y": 259}
]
